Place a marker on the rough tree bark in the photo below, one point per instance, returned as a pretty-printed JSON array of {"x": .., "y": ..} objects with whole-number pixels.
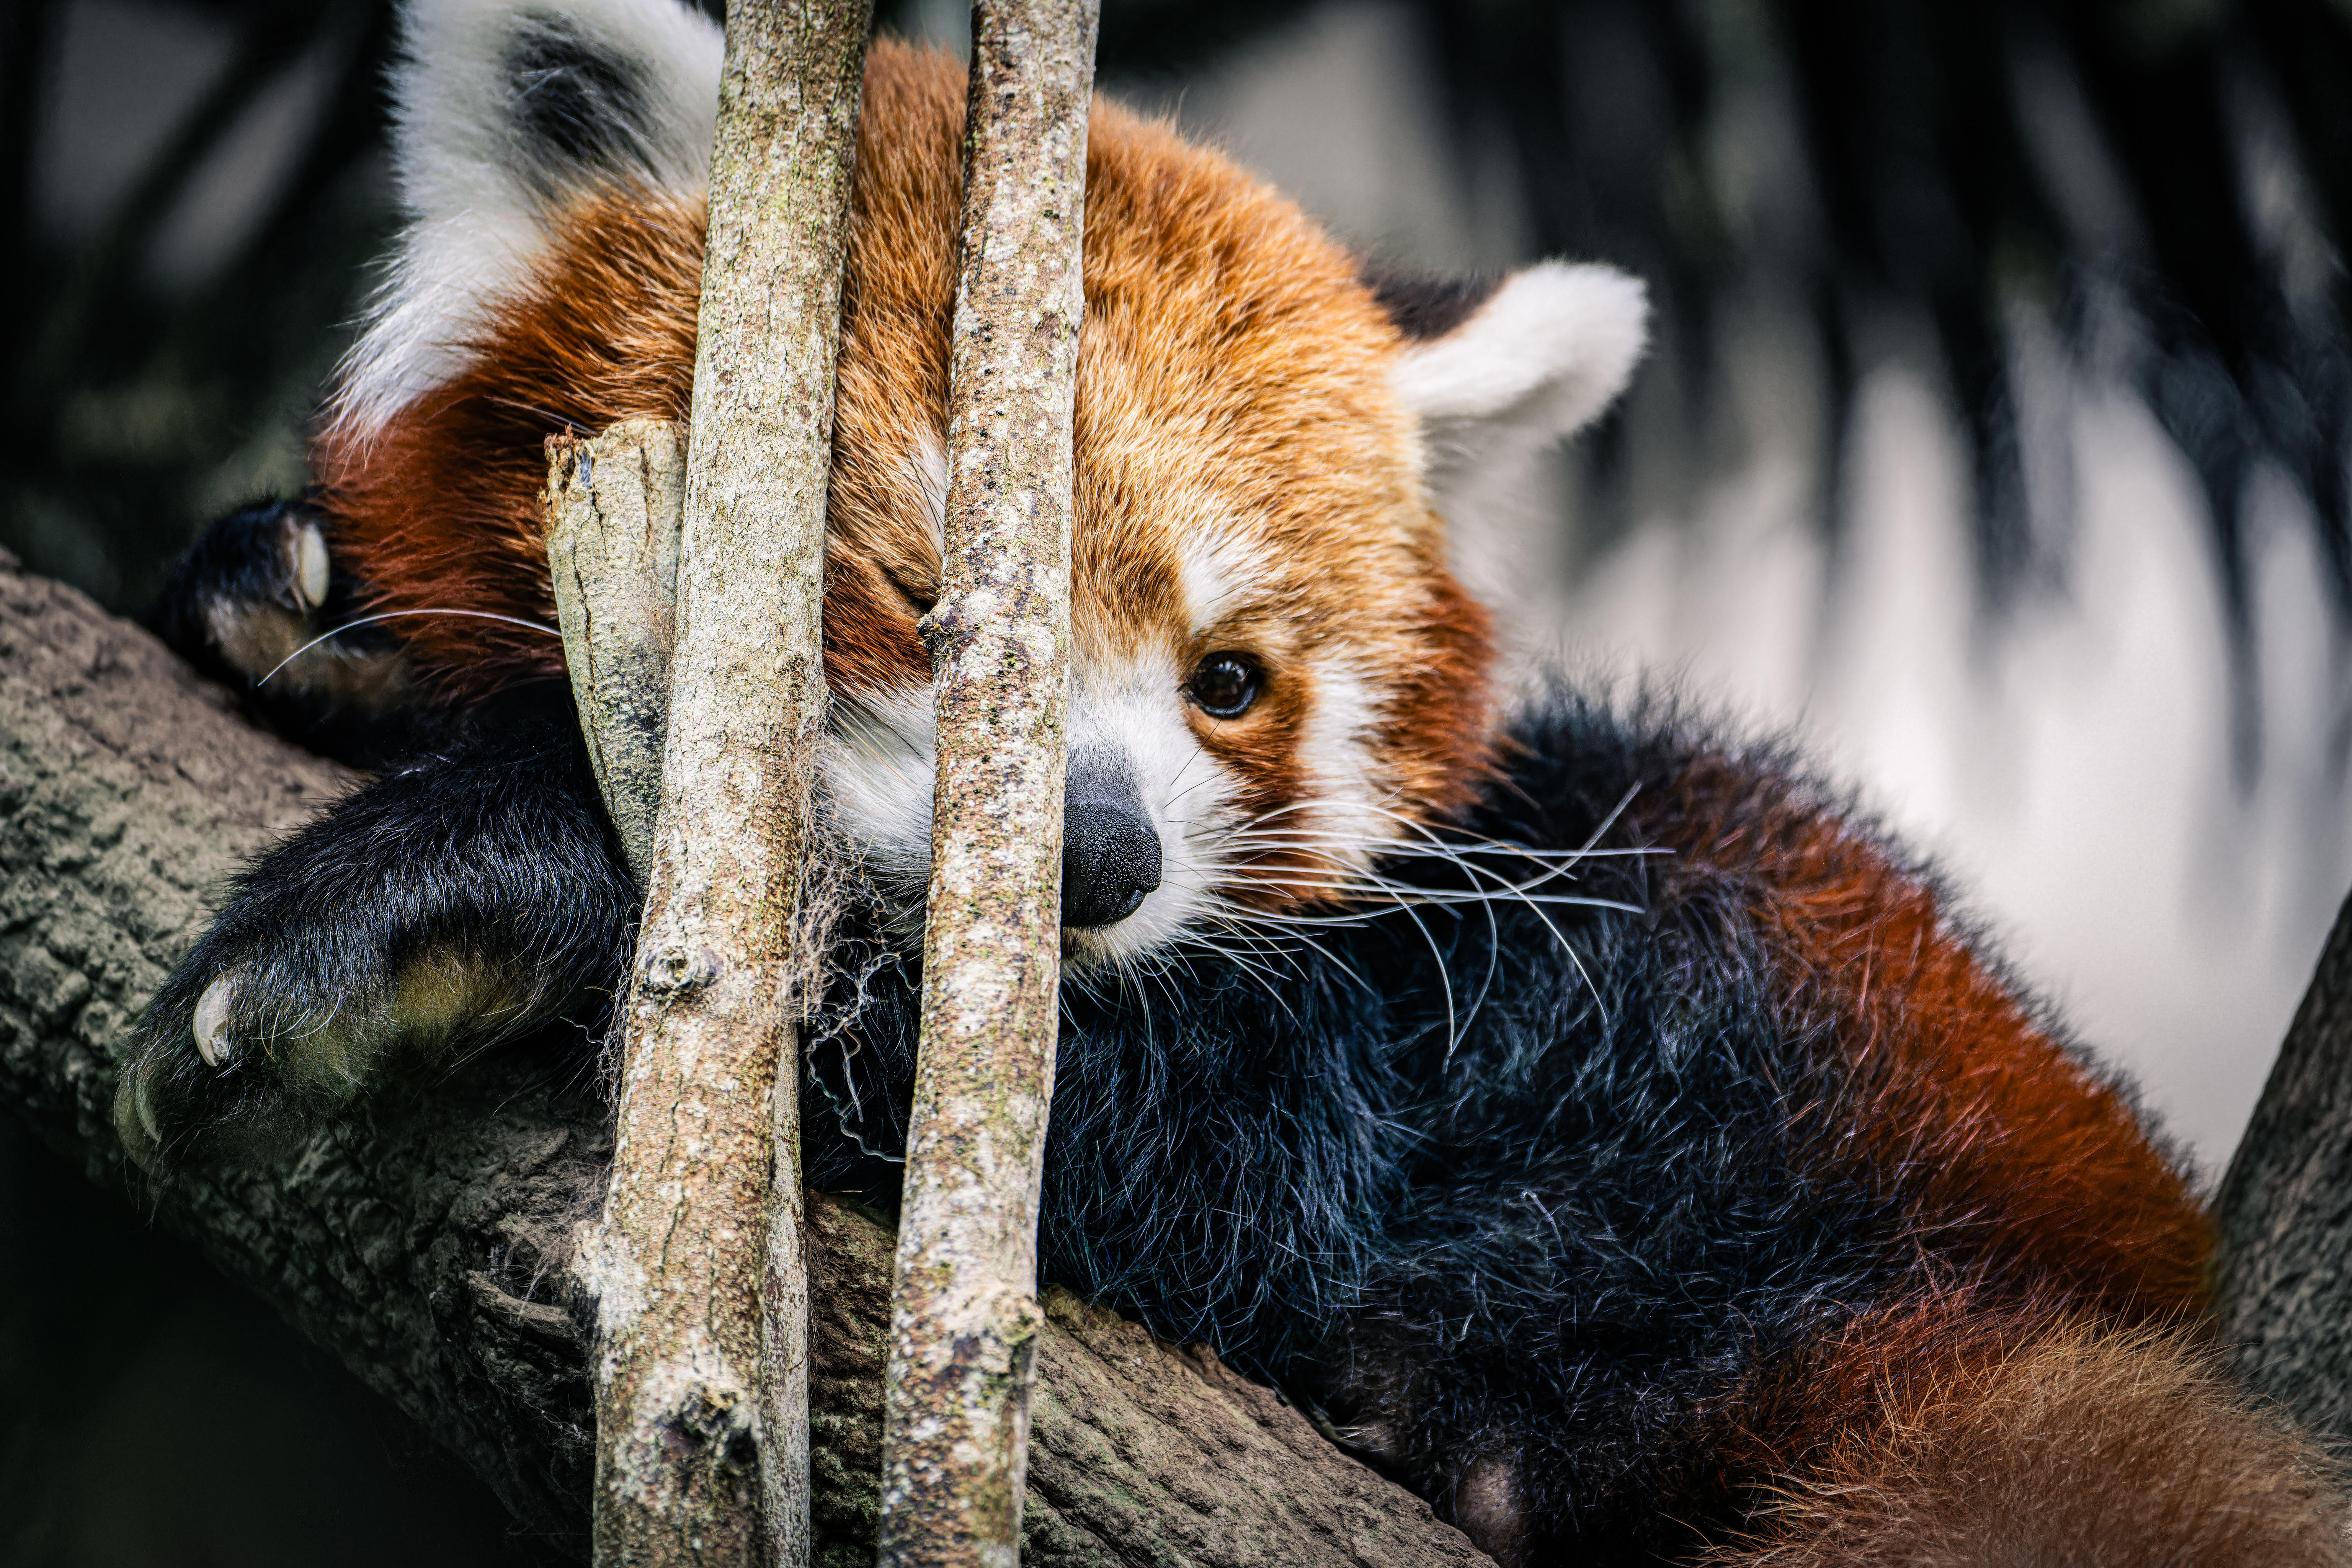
[
  {"x": 702, "y": 1365},
  {"x": 965, "y": 1317},
  {"x": 2286, "y": 1211},
  {"x": 426, "y": 1240}
]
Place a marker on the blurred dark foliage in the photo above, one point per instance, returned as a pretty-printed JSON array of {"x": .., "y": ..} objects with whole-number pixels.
[
  {"x": 2178, "y": 169},
  {"x": 124, "y": 396}
]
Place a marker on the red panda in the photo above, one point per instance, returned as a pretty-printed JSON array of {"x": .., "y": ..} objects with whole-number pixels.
[
  {"x": 1249, "y": 474},
  {"x": 1590, "y": 1121}
]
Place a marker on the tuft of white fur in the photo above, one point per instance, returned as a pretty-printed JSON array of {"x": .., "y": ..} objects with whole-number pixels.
[
  {"x": 477, "y": 216},
  {"x": 1335, "y": 750},
  {"x": 1222, "y": 568},
  {"x": 1537, "y": 362},
  {"x": 875, "y": 775},
  {"x": 929, "y": 462}
]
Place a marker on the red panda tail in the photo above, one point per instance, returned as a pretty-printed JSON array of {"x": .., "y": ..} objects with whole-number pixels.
[{"x": 2033, "y": 1441}]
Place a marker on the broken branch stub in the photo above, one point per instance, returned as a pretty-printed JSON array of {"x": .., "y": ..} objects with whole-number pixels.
[
  {"x": 702, "y": 1342},
  {"x": 965, "y": 1316},
  {"x": 615, "y": 503}
]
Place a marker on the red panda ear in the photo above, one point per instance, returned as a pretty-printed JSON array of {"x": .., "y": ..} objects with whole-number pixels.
[
  {"x": 1496, "y": 373},
  {"x": 502, "y": 111}
]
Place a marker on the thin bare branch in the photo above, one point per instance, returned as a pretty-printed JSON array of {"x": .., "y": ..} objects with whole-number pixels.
[
  {"x": 702, "y": 1370},
  {"x": 965, "y": 1319}
]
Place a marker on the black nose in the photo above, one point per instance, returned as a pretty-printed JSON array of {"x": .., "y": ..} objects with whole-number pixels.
[{"x": 1110, "y": 859}]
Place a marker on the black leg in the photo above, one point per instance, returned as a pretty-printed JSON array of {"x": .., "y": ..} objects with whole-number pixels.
[
  {"x": 457, "y": 899},
  {"x": 247, "y": 605}
]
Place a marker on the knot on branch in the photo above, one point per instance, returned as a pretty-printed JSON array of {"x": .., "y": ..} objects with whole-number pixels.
[
  {"x": 717, "y": 1424},
  {"x": 675, "y": 969},
  {"x": 949, "y": 623},
  {"x": 693, "y": 1425}
]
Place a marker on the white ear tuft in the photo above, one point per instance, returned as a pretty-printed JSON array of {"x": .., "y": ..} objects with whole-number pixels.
[
  {"x": 502, "y": 109},
  {"x": 1538, "y": 361}
]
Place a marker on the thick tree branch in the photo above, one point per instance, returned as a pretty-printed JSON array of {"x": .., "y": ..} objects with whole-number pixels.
[
  {"x": 2286, "y": 1250},
  {"x": 425, "y": 1238}
]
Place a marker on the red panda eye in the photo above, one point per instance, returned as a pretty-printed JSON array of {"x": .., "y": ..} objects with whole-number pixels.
[{"x": 1225, "y": 684}]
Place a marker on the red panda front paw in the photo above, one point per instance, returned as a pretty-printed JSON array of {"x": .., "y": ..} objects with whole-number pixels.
[
  {"x": 260, "y": 1034},
  {"x": 260, "y": 602},
  {"x": 457, "y": 900}
]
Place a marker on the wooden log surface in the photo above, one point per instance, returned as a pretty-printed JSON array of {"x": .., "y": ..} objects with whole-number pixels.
[{"x": 426, "y": 1238}]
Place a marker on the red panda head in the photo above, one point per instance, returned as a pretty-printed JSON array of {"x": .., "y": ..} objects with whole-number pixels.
[{"x": 1277, "y": 677}]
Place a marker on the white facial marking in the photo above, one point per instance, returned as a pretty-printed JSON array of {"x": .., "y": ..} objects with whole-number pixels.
[
  {"x": 1222, "y": 570},
  {"x": 1335, "y": 752},
  {"x": 876, "y": 777},
  {"x": 1133, "y": 713}
]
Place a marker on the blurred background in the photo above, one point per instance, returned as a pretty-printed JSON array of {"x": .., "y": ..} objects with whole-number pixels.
[{"x": 1992, "y": 442}]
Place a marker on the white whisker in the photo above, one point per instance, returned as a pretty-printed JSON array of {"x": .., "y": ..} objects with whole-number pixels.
[{"x": 396, "y": 615}]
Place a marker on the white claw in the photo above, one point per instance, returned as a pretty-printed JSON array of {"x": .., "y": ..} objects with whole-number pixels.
[
  {"x": 135, "y": 1120},
  {"x": 144, "y": 1104},
  {"x": 212, "y": 1022},
  {"x": 311, "y": 564}
]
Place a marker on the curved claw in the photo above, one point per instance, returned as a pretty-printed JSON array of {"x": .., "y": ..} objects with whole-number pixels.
[
  {"x": 311, "y": 575},
  {"x": 211, "y": 1024},
  {"x": 135, "y": 1123}
]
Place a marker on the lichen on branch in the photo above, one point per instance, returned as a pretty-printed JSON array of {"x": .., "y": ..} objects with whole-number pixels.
[
  {"x": 702, "y": 1365},
  {"x": 965, "y": 1318}
]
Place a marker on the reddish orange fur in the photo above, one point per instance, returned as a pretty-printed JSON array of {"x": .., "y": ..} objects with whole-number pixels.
[
  {"x": 440, "y": 510},
  {"x": 2021, "y": 1168},
  {"x": 1232, "y": 367},
  {"x": 1959, "y": 1437},
  {"x": 1233, "y": 372}
]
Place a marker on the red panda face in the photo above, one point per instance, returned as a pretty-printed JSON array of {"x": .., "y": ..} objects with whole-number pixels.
[{"x": 1275, "y": 677}]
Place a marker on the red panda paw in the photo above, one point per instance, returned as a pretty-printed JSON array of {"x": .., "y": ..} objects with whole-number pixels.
[
  {"x": 464, "y": 899},
  {"x": 261, "y": 601},
  {"x": 1490, "y": 1508}
]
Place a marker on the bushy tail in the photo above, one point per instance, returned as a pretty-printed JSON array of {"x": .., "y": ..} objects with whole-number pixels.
[{"x": 2058, "y": 1444}]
